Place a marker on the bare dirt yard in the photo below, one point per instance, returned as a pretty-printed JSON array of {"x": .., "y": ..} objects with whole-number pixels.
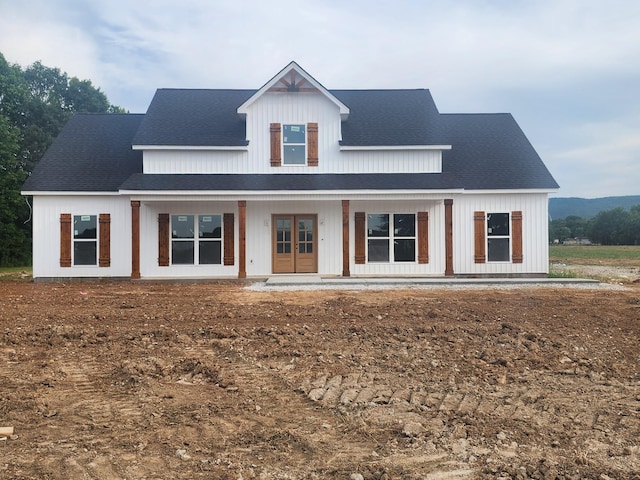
[{"x": 143, "y": 380}]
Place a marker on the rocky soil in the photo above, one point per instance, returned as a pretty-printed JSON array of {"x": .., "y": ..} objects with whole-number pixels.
[{"x": 213, "y": 380}]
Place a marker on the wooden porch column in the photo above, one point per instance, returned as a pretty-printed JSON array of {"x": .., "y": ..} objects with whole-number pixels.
[
  {"x": 448, "y": 236},
  {"x": 345, "y": 239},
  {"x": 242, "y": 239},
  {"x": 135, "y": 239}
]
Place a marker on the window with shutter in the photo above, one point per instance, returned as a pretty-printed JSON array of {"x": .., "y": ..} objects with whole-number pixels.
[
  {"x": 229, "y": 240},
  {"x": 423, "y": 237},
  {"x": 360, "y": 234},
  {"x": 65, "y": 239},
  {"x": 163, "y": 240},
  {"x": 105, "y": 240},
  {"x": 516, "y": 236},
  {"x": 276, "y": 147},
  {"x": 479, "y": 237},
  {"x": 312, "y": 144}
]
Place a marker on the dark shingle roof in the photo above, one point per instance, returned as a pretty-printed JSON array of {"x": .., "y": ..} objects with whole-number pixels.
[
  {"x": 388, "y": 117},
  {"x": 490, "y": 151},
  {"x": 290, "y": 182},
  {"x": 194, "y": 118},
  {"x": 92, "y": 153}
]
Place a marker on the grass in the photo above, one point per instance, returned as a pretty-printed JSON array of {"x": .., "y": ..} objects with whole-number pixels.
[
  {"x": 614, "y": 256},
  {"x": 15, "y": 272}
]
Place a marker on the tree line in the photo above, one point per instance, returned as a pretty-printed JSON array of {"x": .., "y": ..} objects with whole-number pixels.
[
  {"x": 611, "y": 227},
  {"x": 35, "y": 103}
]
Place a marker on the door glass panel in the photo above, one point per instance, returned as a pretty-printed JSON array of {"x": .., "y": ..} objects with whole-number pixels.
[
  {"x": 305, "y": 235},
  {"x": 283, "y": 235}
]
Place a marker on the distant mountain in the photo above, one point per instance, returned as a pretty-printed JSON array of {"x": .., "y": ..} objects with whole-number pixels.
[{"x": 588, "y": 207}]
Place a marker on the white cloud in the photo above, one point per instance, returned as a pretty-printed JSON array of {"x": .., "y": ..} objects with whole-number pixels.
[{"x": 558, "y": 65}]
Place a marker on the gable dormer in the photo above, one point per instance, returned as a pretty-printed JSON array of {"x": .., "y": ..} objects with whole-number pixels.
[
  {"x": 294, "y": 79},
  {"x": 293, "y": 112}
]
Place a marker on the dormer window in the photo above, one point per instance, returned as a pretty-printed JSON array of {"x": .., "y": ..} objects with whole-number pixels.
[{"x": 294, "y": 144}]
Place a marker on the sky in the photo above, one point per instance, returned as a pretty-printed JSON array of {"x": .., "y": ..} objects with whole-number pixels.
[{"x": 567, "y": 70}]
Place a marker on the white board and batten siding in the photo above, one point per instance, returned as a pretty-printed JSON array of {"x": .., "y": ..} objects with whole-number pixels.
[
  {"x": 286, "y": 108},
  {"x": 46, "y": 234},
  {"x": 534, "y": 232}
]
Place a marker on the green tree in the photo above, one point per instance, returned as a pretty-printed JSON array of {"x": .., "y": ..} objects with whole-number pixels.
[
  {"x": 14, "y": 239},
  {"x": 611, "y": 227}
]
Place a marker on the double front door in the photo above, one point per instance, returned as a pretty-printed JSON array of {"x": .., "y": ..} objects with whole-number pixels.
[{"x": 294, "y": 244}]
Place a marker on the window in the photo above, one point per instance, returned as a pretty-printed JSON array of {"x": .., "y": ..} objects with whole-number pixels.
[
  {"x": 397, "y": 244},
  {"x": 85, "y": 240},
  {"x": 498, "y": 237},
  {"x": 294, "y": 144},
  {"x": 196, "y": 239}
]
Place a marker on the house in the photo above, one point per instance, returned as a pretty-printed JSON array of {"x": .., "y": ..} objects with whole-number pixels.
[{"x": 291, "y": 178}]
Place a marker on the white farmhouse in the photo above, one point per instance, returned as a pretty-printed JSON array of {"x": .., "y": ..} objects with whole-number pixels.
[{"x": 291, "y": 178}]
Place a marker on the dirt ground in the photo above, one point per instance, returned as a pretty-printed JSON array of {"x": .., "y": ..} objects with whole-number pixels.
[{"x": 142, "y": 380}]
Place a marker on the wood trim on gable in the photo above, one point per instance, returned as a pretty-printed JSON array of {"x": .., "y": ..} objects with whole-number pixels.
[
  {"x": 276, "y": 144},
  {"x": 65, "y": 239},
  {"x": 104, "y": 257}
]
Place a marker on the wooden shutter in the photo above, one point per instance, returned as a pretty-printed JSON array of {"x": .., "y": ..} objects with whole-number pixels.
[
  {"x": 276, "y": 145},
  {"x": 65, "y": 239},
  {"x": 480, "y": 237},
  {"x": 312, "y": 144},
  {"x": 361, "y": 237},
  {"x": 423, "y": 237},
  {"x": 516, "y": 237},
  {"x": 163, "y": 240},
  {"x": 104, "y": 259},
  {"x": 229, "y": 238}
]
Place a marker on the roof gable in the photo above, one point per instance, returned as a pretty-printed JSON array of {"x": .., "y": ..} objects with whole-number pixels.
[{"x": 293, "y": 78}]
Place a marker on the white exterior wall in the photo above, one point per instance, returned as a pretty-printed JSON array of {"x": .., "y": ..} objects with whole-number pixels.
[
  {"x": 288, "y": 108},
  {"x": 46, "y": 235},
  {"x": 535, "y": 235}
]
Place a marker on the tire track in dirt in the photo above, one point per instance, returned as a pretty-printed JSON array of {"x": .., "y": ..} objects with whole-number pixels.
[
  {"x": 323, "y": 429},
  {"x": 92, "y": 404},
  {"x": 607, "y": 408}
]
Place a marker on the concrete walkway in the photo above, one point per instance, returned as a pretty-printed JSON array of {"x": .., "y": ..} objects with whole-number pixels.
[{"x": 310, "y": 280}]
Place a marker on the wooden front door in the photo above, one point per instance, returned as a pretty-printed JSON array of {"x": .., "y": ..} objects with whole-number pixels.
[{"x": 294, "y": 242}]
